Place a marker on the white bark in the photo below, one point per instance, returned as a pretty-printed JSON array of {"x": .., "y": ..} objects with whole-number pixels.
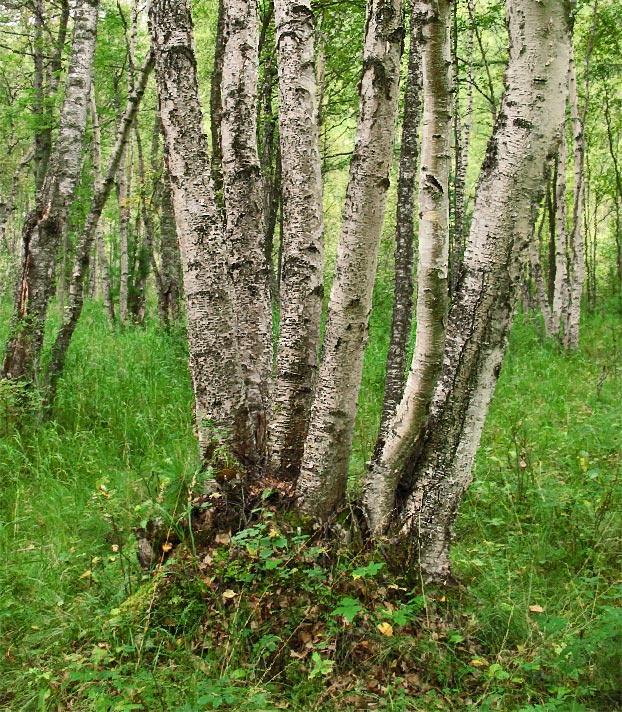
[
  {"x": 403, "y": 279},
  {"x": 434, "y": 481},
  {"x": 302, "y": 237},
  {"x": 221, "y": 411},
  {"x": 324, "y": 470},
  {"x": 577, "y": 267},
  {"x": 432, "y": 278},
  {"x": 243, "y": 193},
  {"x": 562, "y": 286}
]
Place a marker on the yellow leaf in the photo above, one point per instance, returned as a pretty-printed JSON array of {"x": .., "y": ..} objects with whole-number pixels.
[
  {"x": 229, "y": 594},
  {"x": 479, "y": 662},
  {"x": 86, "y": 574},
  {"x": 536, "y": 609},
  {"x": 166, "y": 547},
  {"x": 386, "y": 629}
]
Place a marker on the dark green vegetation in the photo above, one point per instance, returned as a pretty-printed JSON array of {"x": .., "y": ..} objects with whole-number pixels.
[{"x": 268, "y": 620}]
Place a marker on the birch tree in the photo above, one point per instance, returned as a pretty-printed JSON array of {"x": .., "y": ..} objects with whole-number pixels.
[
  {"x": 401, "y": 320},
  {"x": 44, "y": 226},
  {"x": 243, "y": 197},
  {"x": 436, "y": 475},
  {"x": 222, "y": 415},
  {"x": 324, "y": 471},
  {"x": 432, "y": 278},
  {"x": 302, "y": 237}
]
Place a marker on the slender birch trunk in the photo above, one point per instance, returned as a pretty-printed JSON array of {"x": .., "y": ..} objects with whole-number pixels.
[
  {"x": 221, "y": 411},
  {"x": 462, "y": 131},
  {"x": 408, "y": 427},
  {"x": 123, "y": 201},
  {"x": 302, "y": 237},
  {"x": 403, "y": 283},
  {"x": 577, "y": 256},
  {"x": 562, "y": 285},
  {"x": 270, "y": 162},
  {"x": 324, "y": 471},
  {"x": 243, "y": 193},
  {"x": 618, "y": 190},
  {"x": 536, "y": 273},
  {"x": 103, "y": 187},
  {"x": 511, "y": 183},
  {"x": 44, "y": 226},
  {"x": 43, "y": 121}
]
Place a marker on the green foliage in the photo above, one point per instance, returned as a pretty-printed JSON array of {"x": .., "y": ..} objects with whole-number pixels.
[{"x": 270, "y": 617}]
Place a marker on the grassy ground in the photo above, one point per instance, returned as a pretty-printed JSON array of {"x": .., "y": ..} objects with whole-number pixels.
[{"x": 269, "y": 620}]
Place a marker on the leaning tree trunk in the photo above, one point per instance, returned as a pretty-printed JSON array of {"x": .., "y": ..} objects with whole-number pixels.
[
  {"x": 401, "y": 320},
  {"x": 103, "y": 187},
  {"x": 243, "y": 194},
  {"x": 512, "y": 180},
  {"x": 221, "y": 411},
  {"x": 301, "y": 237},
  {"x": 324, "y": 470},
  {"x": 44, "y": 226},
  {"x": 432, "y": 276}
]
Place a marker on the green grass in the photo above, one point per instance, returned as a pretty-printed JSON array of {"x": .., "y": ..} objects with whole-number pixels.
[{"x": 535, "y": 625}]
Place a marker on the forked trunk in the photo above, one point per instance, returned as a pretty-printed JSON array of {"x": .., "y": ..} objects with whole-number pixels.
[
  {"x": 401, "y": 321},
  {"x": 221, "y": 411},
  {"x": 511, "y": 182},
  {"x": 408, "y": 426},
  {"x": 324, "y": 471}
]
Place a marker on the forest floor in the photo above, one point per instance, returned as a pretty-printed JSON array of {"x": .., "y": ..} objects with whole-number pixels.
[{"x": 270, "y": 618}]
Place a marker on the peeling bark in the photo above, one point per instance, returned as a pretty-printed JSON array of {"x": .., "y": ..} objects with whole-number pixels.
[
  {"x": 302, "y": 237},
  {"x": 408, "y": 427},
  {"x": 510, "y": 185},
  {"x": 221, "y": 412},
  {"x": 324, "y": 471}
]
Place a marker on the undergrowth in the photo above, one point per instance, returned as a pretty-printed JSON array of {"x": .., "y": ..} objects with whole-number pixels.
[{"x": 270, "y": 618}]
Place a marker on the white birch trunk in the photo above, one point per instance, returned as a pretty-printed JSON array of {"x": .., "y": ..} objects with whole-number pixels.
[
  {"x": 123, "y": 200},
  {"x": 434, "y": 481},
  {"x": 577, "y": 257},
  {"x": 561, "y": 298},
  {"x": 403, "y": 280},
  {"x": 302, "y": 237},
  {"x": 324, "y": 471},
  {"x": 243, "y": 197},
  {"x": 409, "y": 424},
  {"x": 221, "y": 410}
]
